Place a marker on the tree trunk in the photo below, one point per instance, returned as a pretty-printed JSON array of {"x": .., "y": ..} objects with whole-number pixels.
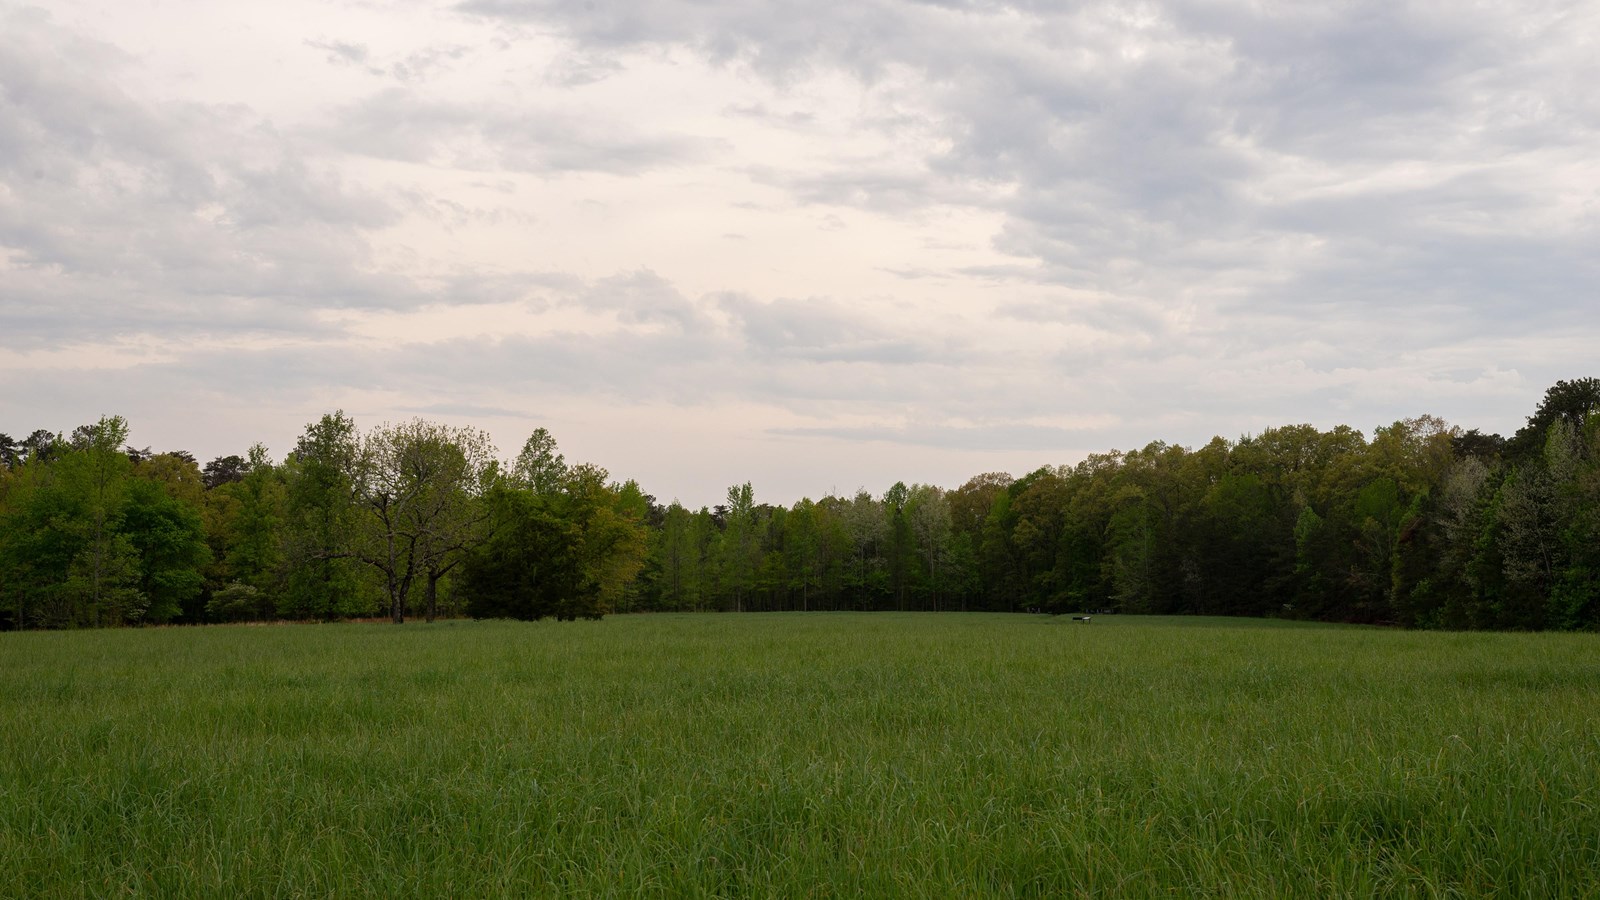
[{"x": 397, "y": 599}]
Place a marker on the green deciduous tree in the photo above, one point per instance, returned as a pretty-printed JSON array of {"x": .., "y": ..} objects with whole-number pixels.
[
  {"x": 168, "y": 537},
  {"x": 89, "y": 539},
  {"x": 255, "y": 551},
  {"x": 530, "y": 567},
  {"x": 865, "y": 525},
  {"x": 568, "y": 553},
  {"x": 101, "y": 587},
  {"x": 680, "y": 555},
  {"x": 540, "y": 467},
  {"x": 927, "y": 514},
  {"x": 321, "y": 519},
  {"x": 740, "y": 547},
  {"x": 1572, "y": 402},
  {"x": 418, "y": 487}
]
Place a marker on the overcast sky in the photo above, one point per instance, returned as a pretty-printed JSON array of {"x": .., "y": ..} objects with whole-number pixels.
[{"x": 816, "y": 246}]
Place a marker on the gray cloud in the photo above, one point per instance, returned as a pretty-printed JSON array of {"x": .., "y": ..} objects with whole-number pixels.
[
  {"x": 1156, "y": 149},
  {"x": 868, "y": 186},
  {"x": 343, "y": 53},
  {"x": 399, "y": 124},
  {"x": 1211, "y": 216},
  {"x": 1048, "y": 442},
  {"x": 811, "y": 356},
  {"x": 776, "y": 37},
  {"x": 576, "y": 70},
  {"x": 410, "y": 68},
  {"x": 427, "y": 63},
  {"x": 644, "y": 297},
  {"x": 467, "y": 411},
  {"x": 822, "y": 331},
  {"x": 122, "y": 215}
]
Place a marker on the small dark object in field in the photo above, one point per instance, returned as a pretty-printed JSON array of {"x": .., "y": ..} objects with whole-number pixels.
[{"x": 1083, "y": 619}]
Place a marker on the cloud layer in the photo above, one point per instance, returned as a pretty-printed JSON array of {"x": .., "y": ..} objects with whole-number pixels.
[{"x": 819, "y": 245}]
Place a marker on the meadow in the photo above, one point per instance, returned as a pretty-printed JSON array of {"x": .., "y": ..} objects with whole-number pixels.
[{"x": 923, "y": 755}]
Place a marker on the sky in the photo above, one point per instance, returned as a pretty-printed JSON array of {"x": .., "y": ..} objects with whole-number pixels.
[{"x": 816, "y": 246}]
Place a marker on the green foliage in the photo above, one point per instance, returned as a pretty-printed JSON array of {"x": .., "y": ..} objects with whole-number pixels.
[
  {"x": 680, "y": 558},
  {"x": 88, "y": 541},
  {"x": 417, "y": 491},
  {"x": 569, "y": 552},
  {"x": 1569, "y": 402},
  {"x": 320, "y": 522},
  {"x": 168, "y": 539},
  {"x": 540, "y": 467},
  {"x": 532, "y": 565},
  {"x": 238, "y": 602},
  {"x": 255, "y": 552},
  {"x": 1423, "y": 525}
]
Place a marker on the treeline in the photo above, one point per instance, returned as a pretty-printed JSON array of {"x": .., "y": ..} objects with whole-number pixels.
[{"x": 1421, "y": 525}]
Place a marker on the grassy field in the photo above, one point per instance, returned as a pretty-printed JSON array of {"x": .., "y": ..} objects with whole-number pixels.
[{"x": 799, "y": 755}]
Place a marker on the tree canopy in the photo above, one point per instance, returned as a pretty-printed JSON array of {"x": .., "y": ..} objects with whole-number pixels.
[{"x": 1417, "y": 524}]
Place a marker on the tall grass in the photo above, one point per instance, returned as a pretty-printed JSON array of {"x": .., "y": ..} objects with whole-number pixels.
[{"x": 785, "y": 755}]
